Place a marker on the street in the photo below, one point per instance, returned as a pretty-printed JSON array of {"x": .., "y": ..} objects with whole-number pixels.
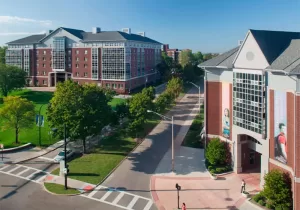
[{"x": 128, "y": 187}]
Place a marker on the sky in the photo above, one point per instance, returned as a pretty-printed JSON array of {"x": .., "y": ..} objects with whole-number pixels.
[{"x": 207, "y": 26}]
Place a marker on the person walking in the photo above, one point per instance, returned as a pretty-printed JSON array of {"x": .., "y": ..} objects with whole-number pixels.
[
  {"x": 243, "y": 186},
  {"x": 183, "y": 207}
]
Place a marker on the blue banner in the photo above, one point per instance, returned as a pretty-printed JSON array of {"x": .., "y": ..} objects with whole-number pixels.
[{"x": 37, "y": 120}]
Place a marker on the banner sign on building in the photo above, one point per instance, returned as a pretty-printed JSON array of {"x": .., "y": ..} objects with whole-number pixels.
[
  {"x": 39, "y": 120},
  {"x": 225, "y": 110},
  {"x": 280, "y": 119}
]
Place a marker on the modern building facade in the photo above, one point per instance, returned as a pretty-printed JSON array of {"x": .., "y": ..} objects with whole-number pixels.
[
  {"x": 119, "y": 60},
  {"x": 173, "y": 53},
  {"x": 252, "y": 102}
]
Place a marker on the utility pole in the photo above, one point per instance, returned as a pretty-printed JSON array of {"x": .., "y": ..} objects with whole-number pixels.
[{"x": 66, "y": 173}]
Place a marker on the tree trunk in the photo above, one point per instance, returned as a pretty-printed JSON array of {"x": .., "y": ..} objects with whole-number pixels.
[
  {"x": 5, "y": 93},
  {"x": 17, "y": 135},
  {"x": 84, "y": 148}
]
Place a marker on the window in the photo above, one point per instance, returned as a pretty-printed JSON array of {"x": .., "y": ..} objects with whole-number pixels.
[
  {"x": 114, "y": 86},
  {"x": 58, "y": 55},
  {"x": 77, "y": 59},
  {"x": 45, "y": 52},
  {"x": 78, "y": 82},
  {"x": 77, "y": 52},
  {"x": 44, "y": 73},
  {"x": 44, "y": 65},
  {"x": 69, "y": 58},
  {"x": 37, "y": 65},
  {"x": 85, "y": 74},
  {"x": 107, "y": 85},
  {"x": 44, "y": 82},
  {"x": 113, "y": 66},
  {"x": 77, "y": 65},
  {"x": 44, "y": 58},
  {"x": 77, "y": 74},
  {"x": 121, "y": 87},
  {"x": 85, "y": 52},
  {"x": 37, "y": 73},
  {"x": 69, "y": 52},
  {"x": 50, "y": 65},
  {"x": 85, "y": 65},
  {"x": 69, "y": 65},
  {"x": 85, "y": 59}
]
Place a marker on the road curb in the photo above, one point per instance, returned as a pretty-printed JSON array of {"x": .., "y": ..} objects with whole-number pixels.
[
  {"x": 16, "y": 148},
  {"x": 60, "y": 194}
]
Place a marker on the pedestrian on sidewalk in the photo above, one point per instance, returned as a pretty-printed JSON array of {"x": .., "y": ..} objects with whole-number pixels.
[
  {"x": 243, "y": 186},
  {"x": 183, "y": 207}
]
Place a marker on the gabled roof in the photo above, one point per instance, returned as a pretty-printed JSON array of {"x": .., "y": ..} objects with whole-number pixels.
[
  {"x": 33, "y": 39},
  {"x": 114, "y": 36},
  {"x": 87, "y": 36},
  {"x": 273, "y": 43},
  {"x": 223, "y": 60}
]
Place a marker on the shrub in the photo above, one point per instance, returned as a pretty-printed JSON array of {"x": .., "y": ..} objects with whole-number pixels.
[
  {"x": 212, "y": 171},
  {"x": 219, "y": 170},
  {"x": 262, "y": 202},
  {"x": 269, "y": 206},
  {"x": 258, "y": 197},
  {"x": 277, "y": 189},
  {"x": 216, "y": 152},
  {"x": 210, "y": 167}
]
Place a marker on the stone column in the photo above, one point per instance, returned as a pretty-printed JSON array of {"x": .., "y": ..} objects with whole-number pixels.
[
  {"x": 66, "y": 76},
  {"x": 237, "y": 152},
  {"x": 55, "y": 79}
]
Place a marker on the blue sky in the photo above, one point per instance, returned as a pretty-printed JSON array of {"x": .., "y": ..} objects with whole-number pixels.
[{"x": 207, "y": 26}]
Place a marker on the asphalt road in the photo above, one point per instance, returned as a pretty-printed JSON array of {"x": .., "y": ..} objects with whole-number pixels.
[{"x": 134, "y": 174}]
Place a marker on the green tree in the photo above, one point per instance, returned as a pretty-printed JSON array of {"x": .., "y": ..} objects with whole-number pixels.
[
  {"x": 216, "y": 152},
  {"x": 122, "y": 110},
  {"x": 165, "y": 66},
  {"x": 11, "y": 78},
  {"x": 2, "y": 54},
  {"x": 17, "y": 113},
  {"x": 198, "y": 58},
  {"x": 277, "y": 189},
  {"x": 186, "y": 57},
  {"x": 84, "y": 110},
  {"x": 175, "y": 86},
  {"x": 208, "y": 56},
  {"x": 150, "y": 92},
  {"x": 161, "y": 103},
  {"x": 138, "y": 106},
  {"x": 189, "y": 73}
]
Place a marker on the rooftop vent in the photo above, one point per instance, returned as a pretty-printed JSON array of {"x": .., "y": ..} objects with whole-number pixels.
[
  {"x": 126, "y": 30},
  {"x": 96, "y": 30},
  {"x": 240, "y": 42},
  {"x": 49, "y": 32},
  {"x": 142, "y": 33}
]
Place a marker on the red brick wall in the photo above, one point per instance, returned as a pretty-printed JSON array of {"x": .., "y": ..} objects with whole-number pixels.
[
  {"x": 297, "y": 171},
  {"x": 32, "y": 62},
  {"x": 118, "y": 90},
  {"x": 214, "y": 107},
  {"x": 133, "y": 65},
  {"x": 290, "y": 129},
  {"x": 81, "y": 69},
  {"x": 271, "y": 123},
  {"x": 44, "y": 59}
]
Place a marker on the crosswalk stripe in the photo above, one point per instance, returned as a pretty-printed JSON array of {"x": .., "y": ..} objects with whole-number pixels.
[
  {"x": 95, "y": 191},
  {"x": 27, "y": 169},
  {"x": 118, "y": 198},
  {"x": 4, "y": 167},
  {"x": 45, "y": 158},
  {"x": 148, "y": 206},
  {"x": 105, "y": 195},
  {"x": 41, "y": 178},
  {"x": 14, "y": 169},
  {"x": 132, "y": 202}
]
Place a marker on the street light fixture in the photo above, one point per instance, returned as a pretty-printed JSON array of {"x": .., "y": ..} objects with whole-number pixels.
[
  {"x": 199, "y": 88},
  {"x": 171, "y": 119}
]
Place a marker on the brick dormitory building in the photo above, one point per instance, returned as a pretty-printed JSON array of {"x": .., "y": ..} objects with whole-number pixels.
[
  {"x": 119, "y": 60},
  {"x": 252, "y": 101}
]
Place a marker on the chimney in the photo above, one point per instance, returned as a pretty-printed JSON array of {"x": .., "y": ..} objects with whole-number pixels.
[
  {"x": 142, "y": 33},
  {"x": 126, "y": 30},
  {"x": 240, "y": 42},
  {"x": 96, "y": 30}
]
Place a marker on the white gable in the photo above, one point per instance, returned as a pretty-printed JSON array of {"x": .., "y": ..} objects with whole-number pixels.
[
  {"x": 70, "y": 38},
  {"x": 250, "y": 55}
]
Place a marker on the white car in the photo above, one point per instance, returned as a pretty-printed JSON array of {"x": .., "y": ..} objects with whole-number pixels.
[{"x": 61, "y": 155}]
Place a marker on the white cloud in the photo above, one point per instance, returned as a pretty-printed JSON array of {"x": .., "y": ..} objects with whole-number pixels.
[
  {"x": 20, "y": 33},
  {"x": 15, "y": 19}
]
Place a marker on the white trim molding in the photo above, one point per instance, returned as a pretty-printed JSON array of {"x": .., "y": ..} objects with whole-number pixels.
[
  {"x": 220, "y": 137},
  {"x": 281, "y": 165}
]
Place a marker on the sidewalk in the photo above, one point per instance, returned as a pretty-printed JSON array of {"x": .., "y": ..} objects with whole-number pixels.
[{"x": 198, "y": 189}]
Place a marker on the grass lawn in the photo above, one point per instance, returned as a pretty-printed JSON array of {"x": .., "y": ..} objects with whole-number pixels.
[
  {"x": 192, "y": 138},
  {"x": 115, "y": 101},
  {"x": 7, "y": 137},
  {"x": 60, "y": 189}
]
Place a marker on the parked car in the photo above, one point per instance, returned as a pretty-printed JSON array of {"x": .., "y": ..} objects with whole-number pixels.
[{"x": 61, "y": 155}]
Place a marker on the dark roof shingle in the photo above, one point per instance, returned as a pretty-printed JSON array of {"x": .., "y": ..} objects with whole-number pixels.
[
  {"x": 224, "y": 59},
  {"x": 29, "y": 39}
]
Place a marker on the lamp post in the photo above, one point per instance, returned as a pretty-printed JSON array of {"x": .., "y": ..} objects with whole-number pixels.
[
  {"x": 171, "y": 119},
  {"x": 199, "y": 94}
]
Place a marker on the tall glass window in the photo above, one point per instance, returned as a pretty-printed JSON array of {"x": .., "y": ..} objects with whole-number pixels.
[
  {"x": 14, "y": 58},
  {"x": 127, "y": 63},
  {"x": 27, "y": 61},
  {"x": 113, "y": 67},
  {"x": 95, "y": 64},
  {"x": 58, "y": 53},
  {"x": 249, "y": 101}
]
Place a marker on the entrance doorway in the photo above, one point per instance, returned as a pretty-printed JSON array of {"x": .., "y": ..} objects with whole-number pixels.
[{"x": 56, "y": 77}]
